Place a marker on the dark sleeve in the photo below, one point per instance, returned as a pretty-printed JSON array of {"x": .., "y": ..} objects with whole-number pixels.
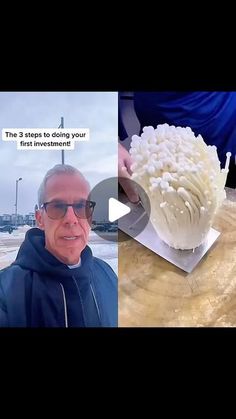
[
  {"x": 121, "y": 128},
  {"x": 3, "y": 311},
  {"x": 3, "y": 318},
  {"x": 106, "y": 284}
]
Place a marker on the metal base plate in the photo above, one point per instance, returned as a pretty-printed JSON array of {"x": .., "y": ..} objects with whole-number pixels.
[{"x": 186, "y": 260}]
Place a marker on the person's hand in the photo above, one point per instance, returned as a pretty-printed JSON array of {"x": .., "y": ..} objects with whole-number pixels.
[{"x": 124, "y": 173}]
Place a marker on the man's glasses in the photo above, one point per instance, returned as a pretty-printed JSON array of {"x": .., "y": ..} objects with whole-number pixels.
[{"x": 57, "y": 210}]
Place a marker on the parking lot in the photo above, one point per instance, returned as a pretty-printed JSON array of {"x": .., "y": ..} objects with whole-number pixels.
[{"x": 10, "y": 243}]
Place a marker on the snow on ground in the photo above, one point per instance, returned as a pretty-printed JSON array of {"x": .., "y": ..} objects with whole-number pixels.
[
  {"x": 105, "y": 250},
  {"x": 10, "y": 243}
]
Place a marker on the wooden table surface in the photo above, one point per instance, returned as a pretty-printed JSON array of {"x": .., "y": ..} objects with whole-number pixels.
[{"x": 153, "y": 292}]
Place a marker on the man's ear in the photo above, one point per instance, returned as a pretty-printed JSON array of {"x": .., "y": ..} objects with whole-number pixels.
[{"x": 39, "y": 219}]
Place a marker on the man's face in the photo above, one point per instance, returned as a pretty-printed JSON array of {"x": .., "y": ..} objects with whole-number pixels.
[{"x": 67, "y": 237}]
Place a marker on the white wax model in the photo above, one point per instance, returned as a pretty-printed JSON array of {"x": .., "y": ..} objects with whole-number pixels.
[{"x": 183, "y": 180}]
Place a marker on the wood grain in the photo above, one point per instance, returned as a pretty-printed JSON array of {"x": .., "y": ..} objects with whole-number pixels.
[{"x": 153, "y": 292}]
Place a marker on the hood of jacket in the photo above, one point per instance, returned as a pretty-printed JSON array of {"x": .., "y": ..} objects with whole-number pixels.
[
  {"x": 33, "y": 255},
  {"x": 38, "y": 290}
]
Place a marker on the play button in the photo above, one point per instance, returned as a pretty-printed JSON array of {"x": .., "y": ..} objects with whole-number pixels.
[
  {"x": 113, "y": 210},
  {"x": 117, "y": 210}
]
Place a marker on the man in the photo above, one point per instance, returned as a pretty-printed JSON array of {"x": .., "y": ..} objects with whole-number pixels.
[{"x": 55, "y": 280}]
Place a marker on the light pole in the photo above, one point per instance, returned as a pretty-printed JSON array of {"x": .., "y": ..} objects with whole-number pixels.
[
  {"x": 17, "y": 180},
  {"x": 62, "y": 151}
]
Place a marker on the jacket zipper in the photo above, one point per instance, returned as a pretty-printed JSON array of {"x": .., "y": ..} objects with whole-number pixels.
[
  {"x": 94, "y": 298},
  {"x": 95, "y": 301},
  {"x": 65, "y": 305}
]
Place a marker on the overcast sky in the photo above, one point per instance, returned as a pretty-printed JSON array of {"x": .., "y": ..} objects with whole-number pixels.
[{"x": 97, "y": 159}]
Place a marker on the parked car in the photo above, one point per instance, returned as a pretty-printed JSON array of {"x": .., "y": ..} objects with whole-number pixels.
[
  {"x": 113, "y": 229},
  {"x": 4, "y": 229},
  {"x": 99, "y": 228}
]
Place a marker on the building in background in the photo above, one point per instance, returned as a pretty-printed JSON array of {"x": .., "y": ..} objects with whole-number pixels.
[{"x": 10, "y": 219}]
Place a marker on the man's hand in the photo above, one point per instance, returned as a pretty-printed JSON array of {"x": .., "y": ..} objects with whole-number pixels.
[{"x": 124, "y": 173}]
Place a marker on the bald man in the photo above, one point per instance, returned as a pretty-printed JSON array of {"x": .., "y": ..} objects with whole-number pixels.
[{"x": 55, "y": 280}]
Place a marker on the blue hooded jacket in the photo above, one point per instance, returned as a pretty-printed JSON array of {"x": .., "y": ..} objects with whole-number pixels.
[
  {"x": 211, "y": 114},
  {"x": 37, "y": 290}
]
